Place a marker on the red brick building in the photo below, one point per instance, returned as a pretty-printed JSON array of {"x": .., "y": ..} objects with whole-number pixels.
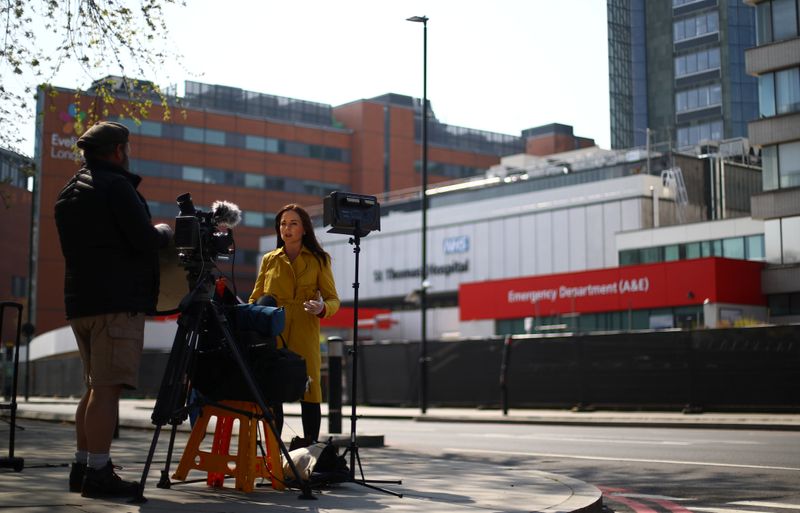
[{"x": 258, "y": 151}]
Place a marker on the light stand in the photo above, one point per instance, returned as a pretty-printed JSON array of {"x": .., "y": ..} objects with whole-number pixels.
[{"x": 352, "y": 448}]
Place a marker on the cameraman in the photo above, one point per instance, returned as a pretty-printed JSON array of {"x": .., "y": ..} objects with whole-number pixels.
[{"x": 111, "y": 280}]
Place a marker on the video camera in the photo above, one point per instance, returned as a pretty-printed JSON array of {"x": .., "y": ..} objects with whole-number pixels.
[{"x": 199, "y": 235}]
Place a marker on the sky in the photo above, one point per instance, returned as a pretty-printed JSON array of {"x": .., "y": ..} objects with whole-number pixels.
[{"x": 500, "y": 65}]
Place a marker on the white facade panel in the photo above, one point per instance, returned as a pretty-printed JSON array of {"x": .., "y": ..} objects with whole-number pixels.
[
  {"x": 528, "y": 244},
  {"x": 496, "y": 248},
  {"x": 482, "y": 253},
  {"x": 631, "y": 214},
  {"x": 612, "y": 224},
  {"x": 595, "y": 238},
  {"x": 510, "y": 246},
  {"x": 577, "y": 239},
  {"x": 560, "y": 241},
  {"x": 544, "y": 243}
]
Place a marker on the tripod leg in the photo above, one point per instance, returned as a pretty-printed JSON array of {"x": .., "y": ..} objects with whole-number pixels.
[
  {"x": 139, "y": 499},
  {"x": 164, "y": 482},
  {"x": 174, "y": 386}
]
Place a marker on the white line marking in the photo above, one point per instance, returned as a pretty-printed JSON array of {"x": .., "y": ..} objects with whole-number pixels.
[
  {"x": 648, "y": 496},
  {"x": 605, "y": 458},
  {"x": 723, "y": 510},
  {"x": 582, "y": 439},
  {"x": 760, "y": 504}
]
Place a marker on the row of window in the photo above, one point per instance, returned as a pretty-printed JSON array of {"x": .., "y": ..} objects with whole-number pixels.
[
  {"x": 678, "y": 3},
  {"x": 236, "y": 140},
  {"x": 233, "y": 99},
  {"x": 697, "y": 62},
  {"x": 688, "y": 28},
  {"x": 250, "y": 218},
  {"x": 11, "y": 172},
  {"x": 743, "y": 248},
  {"x": 780, "y": 166},
  {"x": 449, "y": 170},
  {"x": 776, "y": 20},
  {"x": 699, "y": 98},
  {"x": 690, "y": 135},
  {"x": 233, "y": 178},
  {"x": 469, "y": 139},
  {"x": 779, "y": 92},
  {"x": 686, "y": 317}
]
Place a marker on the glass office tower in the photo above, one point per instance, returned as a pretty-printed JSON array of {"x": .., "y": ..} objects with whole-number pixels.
[{"x": 676, "y": 70}]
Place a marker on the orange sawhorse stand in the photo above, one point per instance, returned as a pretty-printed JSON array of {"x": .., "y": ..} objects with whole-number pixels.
[{"x": 245, "y": 465}]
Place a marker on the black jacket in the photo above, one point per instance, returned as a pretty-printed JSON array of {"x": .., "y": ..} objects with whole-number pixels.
[{"x": 109, "y": 243}]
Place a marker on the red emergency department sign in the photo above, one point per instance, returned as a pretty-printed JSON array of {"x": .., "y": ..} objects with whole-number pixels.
[{"x": 662, "y": 285}]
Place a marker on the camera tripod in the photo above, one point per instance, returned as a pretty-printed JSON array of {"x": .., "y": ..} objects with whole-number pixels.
[
  {"x": 352, "y": 447},
  {"x": 199, "y": 313}
]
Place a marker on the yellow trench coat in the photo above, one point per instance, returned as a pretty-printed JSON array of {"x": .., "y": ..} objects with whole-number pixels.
[{"x": 291, "y": 283}]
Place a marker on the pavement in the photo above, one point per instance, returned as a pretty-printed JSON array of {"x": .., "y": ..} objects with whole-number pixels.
[{"x": 45, "y": 440}]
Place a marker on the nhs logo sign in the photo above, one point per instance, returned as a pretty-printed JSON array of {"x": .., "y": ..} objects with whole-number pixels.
[{"x": 453, "y": 245}]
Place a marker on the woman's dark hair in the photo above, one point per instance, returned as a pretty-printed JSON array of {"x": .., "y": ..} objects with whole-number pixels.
[{"x": 309, "y": 239}]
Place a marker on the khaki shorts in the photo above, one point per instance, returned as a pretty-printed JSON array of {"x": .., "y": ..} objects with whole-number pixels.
[{"x": 110, "y": 347}]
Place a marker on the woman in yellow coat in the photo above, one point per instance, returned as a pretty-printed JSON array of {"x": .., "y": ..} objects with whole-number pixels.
[{"x": 298, "y": 276}]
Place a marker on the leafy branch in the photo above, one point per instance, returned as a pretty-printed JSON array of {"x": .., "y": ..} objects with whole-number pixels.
[{"x": 128, "y": 39}]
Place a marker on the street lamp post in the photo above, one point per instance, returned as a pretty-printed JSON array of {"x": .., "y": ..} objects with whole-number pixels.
[{"x": 423, "y": 300}]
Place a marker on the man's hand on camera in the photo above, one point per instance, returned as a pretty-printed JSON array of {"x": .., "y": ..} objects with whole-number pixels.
[
  {"x": 165, "y": 234},
  {"x": 314, "y": 306}
]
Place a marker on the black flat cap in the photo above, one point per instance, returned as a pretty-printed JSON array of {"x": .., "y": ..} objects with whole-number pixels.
[{"x": 104, "y": 133}]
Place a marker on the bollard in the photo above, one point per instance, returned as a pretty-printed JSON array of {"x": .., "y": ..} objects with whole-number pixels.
[
  {"x": 335, "y": 353},
  {"x": 504, "y": 364}
]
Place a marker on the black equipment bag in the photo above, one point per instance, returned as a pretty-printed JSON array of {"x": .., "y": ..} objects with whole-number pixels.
[{"x": 280, "y": 374}]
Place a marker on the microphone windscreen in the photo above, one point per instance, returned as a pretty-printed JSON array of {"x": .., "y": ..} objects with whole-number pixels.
[{"x": 226, "y": 213}]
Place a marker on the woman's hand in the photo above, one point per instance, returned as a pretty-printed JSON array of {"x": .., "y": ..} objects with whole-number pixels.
[{"x": 314, "y": 306}]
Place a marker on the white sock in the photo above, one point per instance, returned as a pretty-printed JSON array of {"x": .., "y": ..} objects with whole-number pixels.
[
  {"x": 97, "y": 461},
  {"x": 81, "y": 456}
]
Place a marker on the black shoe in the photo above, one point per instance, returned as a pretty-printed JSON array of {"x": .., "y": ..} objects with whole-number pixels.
[
  {"x": 104, "y": 482},
  {"x": 76, "y": 474}
]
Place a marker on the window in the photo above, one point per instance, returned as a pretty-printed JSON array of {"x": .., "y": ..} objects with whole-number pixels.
[
  {"x": 254, "y": 142},
  {"x": 769, "y": 168},
  {"x": 766, "y": 95},
  {"x": 706, "y": 23},
  {"x": 629, "y": 257},
  {"x": 787, "y": 90},
  {"x": 754, "y": 246},
  {"x": 699, "y": 98},
  {"x": 784, "y": 19},
  {"x": 192, "y": 174},
  {"x": 789, "y": 164},
  {"x": 733, "y": 248},
  {"x": 253, "y": 219},
  {"x": 193, "y": 134},
  {"x": 253, "y": 181},
  {"x": 763, "y": 23},
  {"x": 692, "y": 250},
  {"x": 790, "y": 239},
  {"x": 150, "y": 128},
  {"x": 671, "y": 253},
  {"x": 215, "y": 137},
  {"x": 690, "y": 135}
]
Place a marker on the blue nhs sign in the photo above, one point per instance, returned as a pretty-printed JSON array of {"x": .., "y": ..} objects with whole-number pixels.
[{"x": 453, "y": 245}]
